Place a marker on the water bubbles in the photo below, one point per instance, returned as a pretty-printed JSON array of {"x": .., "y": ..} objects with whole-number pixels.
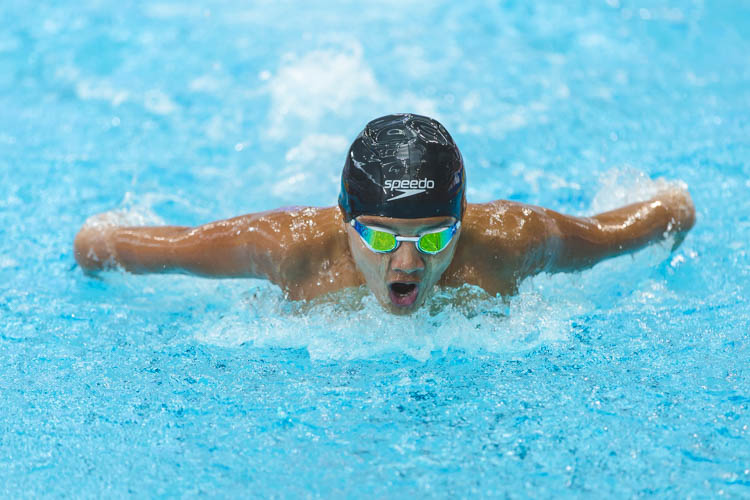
[
  {"x": 133, "y": 212},
  {"x": 158, "y": 102},
  {"x": 622, "y": 186},
  {"x": 351, "y": 324}
]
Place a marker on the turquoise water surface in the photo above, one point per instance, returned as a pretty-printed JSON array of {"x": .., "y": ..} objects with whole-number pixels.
[{"x": 629, "y": 379}]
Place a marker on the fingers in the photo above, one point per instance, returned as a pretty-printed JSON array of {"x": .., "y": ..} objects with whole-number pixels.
[{"x": 93, "y": 247}]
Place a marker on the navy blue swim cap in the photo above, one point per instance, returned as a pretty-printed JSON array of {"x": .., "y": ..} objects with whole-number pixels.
[{"x": 404, "y": 166}]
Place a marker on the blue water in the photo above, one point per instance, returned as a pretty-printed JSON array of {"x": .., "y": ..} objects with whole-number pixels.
[{"x": 630, "y": 379}]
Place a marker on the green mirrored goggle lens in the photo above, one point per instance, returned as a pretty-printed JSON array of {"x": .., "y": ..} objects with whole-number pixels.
[
  {"x": 435, "y": 242},
  {"x": 379, "y": 241}
]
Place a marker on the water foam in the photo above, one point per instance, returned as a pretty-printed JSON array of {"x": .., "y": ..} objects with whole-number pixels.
[
  {"x": 313, "y": 169},
  {"x": 351, "y": 324},
  {"x": 319, "y": 82},
  {"x": 337, "y": 81},
  {"x": 133, "y": 211},
  {"x": 625, "y": 185}
]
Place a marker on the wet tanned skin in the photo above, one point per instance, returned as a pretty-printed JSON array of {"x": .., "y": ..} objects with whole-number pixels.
[{"x": 309, "y": 252}]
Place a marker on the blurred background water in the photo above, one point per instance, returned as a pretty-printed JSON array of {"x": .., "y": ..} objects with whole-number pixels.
[{"x": 629, "y": 379}]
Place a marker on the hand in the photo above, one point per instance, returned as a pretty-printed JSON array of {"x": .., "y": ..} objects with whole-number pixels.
[
  {"x": 681, "y": 210},
  {"x": 93, "y": 246}
]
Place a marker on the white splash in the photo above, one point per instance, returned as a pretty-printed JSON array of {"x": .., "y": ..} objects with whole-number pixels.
[
  {"x": 316, "y": 146},
  {"x": 320, "y": 82},
  {"x": 332, "y": 81},
  {"x": 625, "y": 185},
  {"x": 352, "y": 325},
  {"x": 133, "y": 211},
  {"x": 312, "y": 169}
]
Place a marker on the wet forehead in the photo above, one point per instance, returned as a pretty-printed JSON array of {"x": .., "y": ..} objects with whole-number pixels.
[{"x": 406, "y": 225}]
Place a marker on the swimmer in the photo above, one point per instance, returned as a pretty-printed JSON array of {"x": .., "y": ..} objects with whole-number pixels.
[{"x": 402, "y": 227}]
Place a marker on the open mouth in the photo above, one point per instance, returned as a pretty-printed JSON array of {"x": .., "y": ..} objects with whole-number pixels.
[{"x": 403, "y": 294}]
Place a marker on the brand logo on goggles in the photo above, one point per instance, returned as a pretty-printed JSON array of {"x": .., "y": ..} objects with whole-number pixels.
[{"x": 408, "y": 187}]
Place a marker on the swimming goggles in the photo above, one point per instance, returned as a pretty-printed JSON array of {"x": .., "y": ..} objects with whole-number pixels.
[{"x": 381, "y": 240}]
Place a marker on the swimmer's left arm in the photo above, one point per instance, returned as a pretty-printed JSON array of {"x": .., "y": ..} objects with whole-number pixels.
[{"x": 574, "y": 243}]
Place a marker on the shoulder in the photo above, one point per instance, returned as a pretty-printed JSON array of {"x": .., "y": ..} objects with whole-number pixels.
[
  {"x": 506, "y": 224},
  {"x": 501, "y": 242},
  {"x": 313, "y": 250},
  {"x": 300, "y": 233},
  {"x": 289, "y": 228}
]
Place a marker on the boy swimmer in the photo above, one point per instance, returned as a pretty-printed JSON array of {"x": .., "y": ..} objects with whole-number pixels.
[{"x": 402, "y": 227}]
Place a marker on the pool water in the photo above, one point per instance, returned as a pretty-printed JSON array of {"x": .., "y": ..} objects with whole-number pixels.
[{"x": 629, "y": 379}]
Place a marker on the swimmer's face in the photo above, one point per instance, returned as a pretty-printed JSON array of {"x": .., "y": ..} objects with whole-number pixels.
[{"x": 403, "y": 279}]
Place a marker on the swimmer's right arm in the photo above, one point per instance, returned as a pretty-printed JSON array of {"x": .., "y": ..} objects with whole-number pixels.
[
  {"x": 261, "y": 245},
  {"x": 216, "y": 249}
]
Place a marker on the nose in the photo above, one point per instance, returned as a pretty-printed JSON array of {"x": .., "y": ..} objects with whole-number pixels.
[{"x": 407, "y": 259}]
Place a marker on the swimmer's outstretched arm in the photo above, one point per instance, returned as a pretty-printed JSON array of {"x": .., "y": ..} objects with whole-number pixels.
[
  {"x": 283, "y": 246},
  {"x": 574, "y": 243},
  {"x": 503, "y": 242}
]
